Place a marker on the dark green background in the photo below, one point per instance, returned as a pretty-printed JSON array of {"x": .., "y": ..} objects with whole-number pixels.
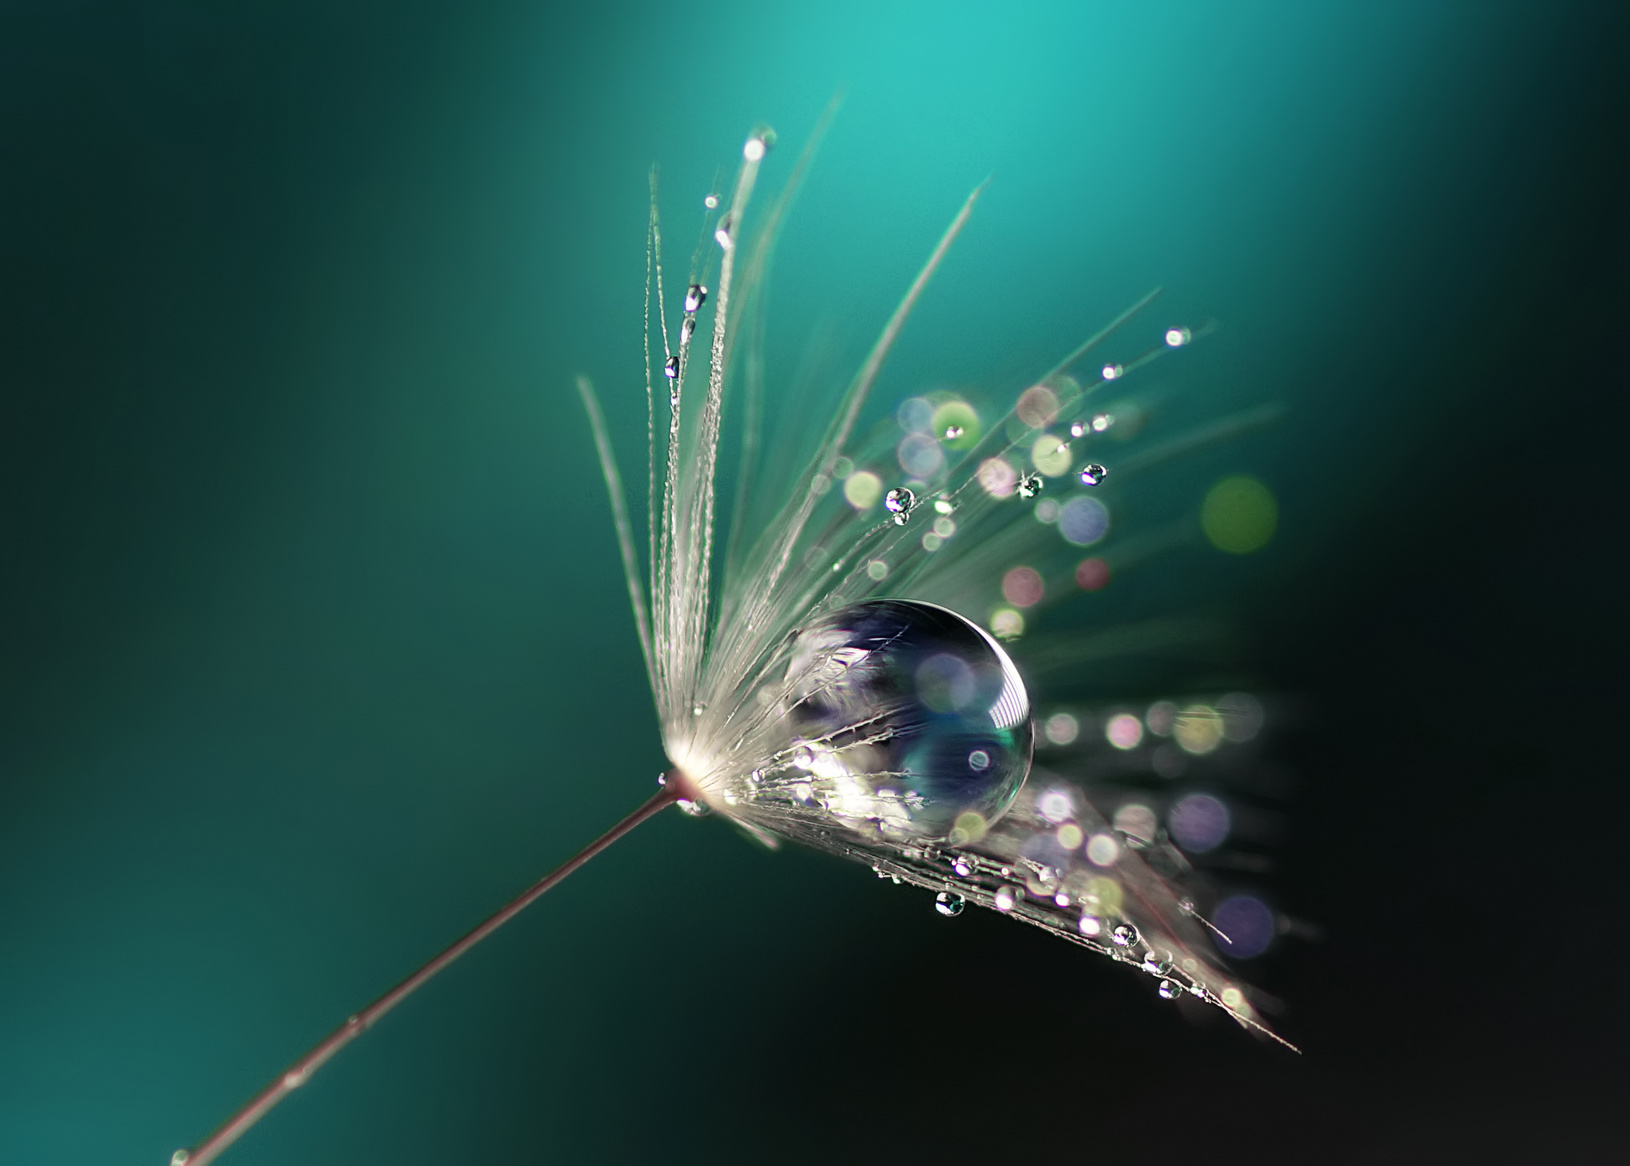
[{"x": 316, "y": 647}]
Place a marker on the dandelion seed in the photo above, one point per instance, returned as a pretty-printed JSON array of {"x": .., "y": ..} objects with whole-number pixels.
[{"x": 803, "y": 702}]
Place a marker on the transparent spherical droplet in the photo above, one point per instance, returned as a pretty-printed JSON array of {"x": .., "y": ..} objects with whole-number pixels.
[
  {"x": 1153, "y": 963},
  {"x": 695, "y": 297},
  {"x": 1078, "y": 429},
  {"x": 670, "y": 368},
  {"x": 1102, "y": 421},
  {"x": 180, "y": 1158},
  {"x": 687, "y": 329},
  {"x": 952, "y": 432},
  {"x": 1124, "y": 935},
  {"x": 1008, "y": 898},
  {"x": 1177, "y": 337},
  {"x": 695, "y": 809},
  {"x": 722, "y": 236},
  {"x": 962, "y": 866},
  {"x": 1093, "y": 474},
  {"x": 892, "y": 739},
  {"x": 1042, "y": 882},
  {"x": 760, "y": 144},
  {"x": 1029, "y": 485},
  {"x": 948, "y": 904},
  {"x": 711, "y": 202},
  {"x": 1113, "y": 372},
  {"x": 899, "y": 500},
  {"x": 1170, "y": 990}
]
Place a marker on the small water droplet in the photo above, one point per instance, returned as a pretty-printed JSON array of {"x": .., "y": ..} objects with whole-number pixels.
[
  {"x": 899, "y": 502},
  {"x": 1008, "y": 898},
  {"x": 180, "y": 1158},
  {"x": 948, "y": 904},
  {"x": 1177, "y": 337},
  {"x": 962, "y": 866},
  {"x": 695, "y": 809},
  {"x": 687, "y": 329},
  {"x": 695, "y": 297},
  {"x": 711, "y": 202},
  {"x": 759, "y": 144},
  {"x": 1093, "y": 474},
  {"x": 1169, "y": 990},
  {"x": 803, "y": 756},
  {"x": 1041, "y": 882},
  {"x": 1153, "y": 963},
  {"x": 698, "y": 708},
  {"x": 944, "y": 505},
  {"x": 1078, "y": 429},
  {"x": 1124, "y": 935},
  {"x": 722, "y": 236},
  {"x": 1113, "y": 372},
  {"x": 670, "y": 368},
  {"x": 756, "y": 777},
  {"x": 1102, "y": 421},
  {"x": 1186, "y": 906},
  {"x": 1029, "y": 485},
  {"x": 952, "y": 432}
]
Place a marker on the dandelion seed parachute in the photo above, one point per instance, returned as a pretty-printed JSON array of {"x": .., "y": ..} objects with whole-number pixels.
[{"x": 831, "y": 688}]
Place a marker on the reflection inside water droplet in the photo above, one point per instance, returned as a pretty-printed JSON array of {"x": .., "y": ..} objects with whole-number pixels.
[
  {"x": 923, "y": 726},
  {"x": 948, "y": 904}
]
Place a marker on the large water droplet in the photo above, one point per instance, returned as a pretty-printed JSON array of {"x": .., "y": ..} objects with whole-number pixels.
[
  {"x": 670, "y": 368},
  {"x": 1008, "y": 898},
  {"x": 687, "y": 329},
  {"x": 1177, "y": 337},
  {"x": 1154, "y": 964},
  {"x": 1124, "y": 935},
  {"x": 180, "y": 1158},
  {"x": 723, "y": 235},
  {"x": 948, "y": 904},
  {"x": 1093, "y": 474},
  {"x": 695, "y": 297},
  {"x": 1078, "y": 429},
  {"x": 1029, "y": 485},
  {"x": 922, "y": 692},
  {"x": 1170, "y": 990}
]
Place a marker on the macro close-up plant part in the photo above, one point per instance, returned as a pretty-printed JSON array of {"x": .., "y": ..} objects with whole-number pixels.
[{"x": 1142, "y": 474}]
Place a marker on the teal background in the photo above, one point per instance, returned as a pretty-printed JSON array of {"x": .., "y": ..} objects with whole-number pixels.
[{"x": 316, "y": 646}]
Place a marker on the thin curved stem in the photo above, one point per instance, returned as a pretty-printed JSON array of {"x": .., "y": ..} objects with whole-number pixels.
[{"x": 300, "y": 1072}]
